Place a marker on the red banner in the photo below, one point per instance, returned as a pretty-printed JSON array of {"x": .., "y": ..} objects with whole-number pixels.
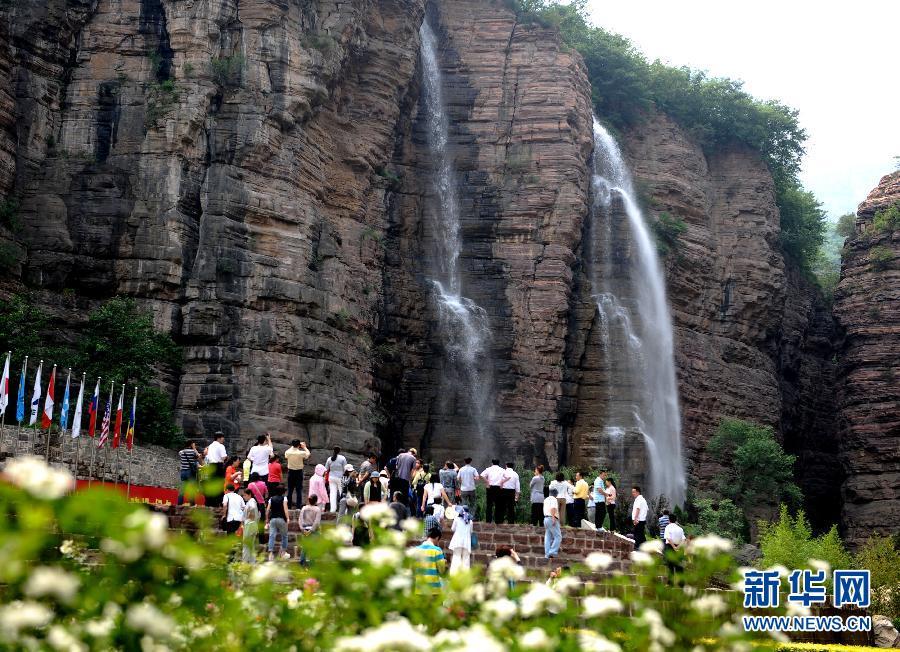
[{"x": 139, "y": 493}]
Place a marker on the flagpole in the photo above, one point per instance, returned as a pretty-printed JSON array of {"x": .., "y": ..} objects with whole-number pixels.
[
  {"x": 3, "y": 421},
  {"x": 130, "y": 442},
  {"x": 93, "y": 448},
  {"x": 23, "y": 383}
]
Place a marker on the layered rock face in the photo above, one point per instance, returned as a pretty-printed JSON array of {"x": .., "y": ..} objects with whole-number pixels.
[
  {"x": 749, "y": 332},
  {"x": 257, "y": 174},
  {"x": 219, "y": 161},
  {"x": 520, "y": 137},
  {"x": 867, "y": 305}
]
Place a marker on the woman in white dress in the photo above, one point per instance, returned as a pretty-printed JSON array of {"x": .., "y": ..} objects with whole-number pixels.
[{"x": 461, "y": 542}]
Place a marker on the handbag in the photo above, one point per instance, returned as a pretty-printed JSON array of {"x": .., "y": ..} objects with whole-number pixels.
[{"x": 474, "y": 542}]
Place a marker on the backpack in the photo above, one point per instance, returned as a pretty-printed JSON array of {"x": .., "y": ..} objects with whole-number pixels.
[{"x": 392, "y": 465}]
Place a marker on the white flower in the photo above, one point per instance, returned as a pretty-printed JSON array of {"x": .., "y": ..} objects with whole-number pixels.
[
  {"x": 710, "y": 544},
  {"x": 293, "y": 598},
  {"x": 379, "y": 513},
  {"x": 474, "y": 593},
  {"x": 350, "y": 554},
  {"x": 61, "y": 639},
  {"x": 339, "y": 534},
  {"x": 597, "y": 561},
  {"x": 384, "y": 556},
  {"x": 567, "y": 585},
  {"x": 536, "y": 639},
  {"x": 689, "y": 590},
  {"x": 710, "y": 604},
  {"x": 68, "y": 548},
  {"x": 470, "y": 639},
  {"x": 795, "y": 609},
  {"x": 596, "y": 606},
  {"x": 267, "y": 572},
  {"x": 38, "y": 478},
  {"x": 411, "y": 526},
  {"x": 23, "y": 615},
  {"x": 642, "y": 558},
  {"x": 820, "y": 565},
  {"x": 782, "y": 570},
  {"x": 153, "y": 526},
  {"x": 398, "y": 583},
  {"x": 653, "y": 545},
  {"x": 395, "y": 635},
  {"x": 589, "y": 641},
  {"x": 501, "y": 609},
  {"x": 49, "y": 581},
  {"x": 144, "y": 617},
  {"x": 506, "y": 568},
  {"x": 126, "y": 553},
  {"x": 658, "y": 631},
  {"x": 541, "y": 597}
]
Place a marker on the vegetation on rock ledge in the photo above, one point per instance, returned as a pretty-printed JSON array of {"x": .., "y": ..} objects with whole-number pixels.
[{"x": 716, "y": 111}]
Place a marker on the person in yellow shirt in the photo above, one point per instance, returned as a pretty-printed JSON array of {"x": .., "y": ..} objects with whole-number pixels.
[
  {"x": 295, "y": 456},
  {"x": 582, "y": 490}
]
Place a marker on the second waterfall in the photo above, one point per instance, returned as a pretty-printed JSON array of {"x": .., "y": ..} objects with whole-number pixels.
[
  {"x": 642, "y": 432},
  {"x": 466, "y": 379}
]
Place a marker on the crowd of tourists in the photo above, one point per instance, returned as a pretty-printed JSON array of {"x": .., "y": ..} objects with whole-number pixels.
[{"x": 258, "y": 490}]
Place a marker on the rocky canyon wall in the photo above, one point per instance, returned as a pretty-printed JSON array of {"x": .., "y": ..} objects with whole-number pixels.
[
  {"x": 256, "y": 173},
  {"x": 752, "y": 337},
  {"x": 867, "y": 305}
]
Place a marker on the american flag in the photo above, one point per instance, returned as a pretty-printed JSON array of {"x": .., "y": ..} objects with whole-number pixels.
[{"x": 104, "y": 428}]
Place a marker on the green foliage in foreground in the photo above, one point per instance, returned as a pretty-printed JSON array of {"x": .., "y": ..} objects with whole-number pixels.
[
  {"x": 90, "y": 572},
  {"x": 716, "y": 111},
  {"x": 757, "y": 470},
  {"x": 789, "y": 542},
  {"x": 119, "y": 343},
  {"x": 881, "y": 555}
]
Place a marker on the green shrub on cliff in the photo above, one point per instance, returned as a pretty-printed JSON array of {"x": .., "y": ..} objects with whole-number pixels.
[
  {"x": 716, "y": 111},
  {"x": 757, "y": 472},
  {"x": 887, "y": 220}
]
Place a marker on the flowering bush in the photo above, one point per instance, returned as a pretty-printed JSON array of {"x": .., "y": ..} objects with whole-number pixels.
[{"x": 89, "y": 571}]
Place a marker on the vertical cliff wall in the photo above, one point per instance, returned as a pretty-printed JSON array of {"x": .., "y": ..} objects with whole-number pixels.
[
  {"x": 256, "y": 174},
  {"x": 219, "y": 161},
  {"x": 752, "y": 337},
  {"x": 520, "y": 135},
  {"x": 867, "y": 305}
]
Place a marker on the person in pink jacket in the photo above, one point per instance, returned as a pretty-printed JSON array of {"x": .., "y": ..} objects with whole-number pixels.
[{"x": 317, "y": 485}]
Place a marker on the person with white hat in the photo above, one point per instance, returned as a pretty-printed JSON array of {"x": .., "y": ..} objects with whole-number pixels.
[
  {"x": 372, "y": 491},
  {"x": 461, "y": 542},
  {"x": 348, "y": 488}
]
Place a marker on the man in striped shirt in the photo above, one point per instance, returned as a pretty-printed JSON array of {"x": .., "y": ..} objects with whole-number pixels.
[{"x": 429, "y": 564}]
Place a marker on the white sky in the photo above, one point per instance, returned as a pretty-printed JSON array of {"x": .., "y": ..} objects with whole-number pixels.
[{"x": 834, "y": 61}]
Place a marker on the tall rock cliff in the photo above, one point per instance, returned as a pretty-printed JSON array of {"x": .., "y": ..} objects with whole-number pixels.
[
  {"x": 219, "y": 161},
  {"x": 256, "y": 173},
  {"x": 750, "y": 333},
  {"x": 867, "y": 305}
]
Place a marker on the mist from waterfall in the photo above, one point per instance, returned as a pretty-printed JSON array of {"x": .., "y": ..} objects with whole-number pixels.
[
  {"x": 462, "y": 324},
  {"x": 635, "y": 328}
]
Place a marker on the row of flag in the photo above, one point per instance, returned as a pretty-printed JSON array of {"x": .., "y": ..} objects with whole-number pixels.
[{"x": 46, "y": 415}]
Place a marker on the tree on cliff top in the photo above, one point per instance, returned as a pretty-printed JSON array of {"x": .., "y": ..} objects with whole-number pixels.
[{"x": 716, "y": 111}]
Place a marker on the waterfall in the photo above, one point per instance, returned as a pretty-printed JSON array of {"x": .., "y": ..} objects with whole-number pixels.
[
  {"x": 462, "y": 324},
  {"x": 635, "y": 329}
]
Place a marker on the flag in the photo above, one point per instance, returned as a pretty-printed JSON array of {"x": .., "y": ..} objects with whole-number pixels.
[
  {"x": 4, "y": 386},
  {"x": 47, "y": 416},
  {"x": 64, "y": 413},
  {"x": 76, "y": 420},
  {"x": 92, "y": 409},
  {"x": 104, "y": 427},
  {"x": 132, "y": 420},
  {"x": 20, "y": 402},
  {"x": 36, "y": 396},
  {"x": 117, "y": 431}
]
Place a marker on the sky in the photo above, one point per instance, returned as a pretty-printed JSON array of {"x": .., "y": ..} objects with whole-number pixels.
[{"x": 835, "y": 62}]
